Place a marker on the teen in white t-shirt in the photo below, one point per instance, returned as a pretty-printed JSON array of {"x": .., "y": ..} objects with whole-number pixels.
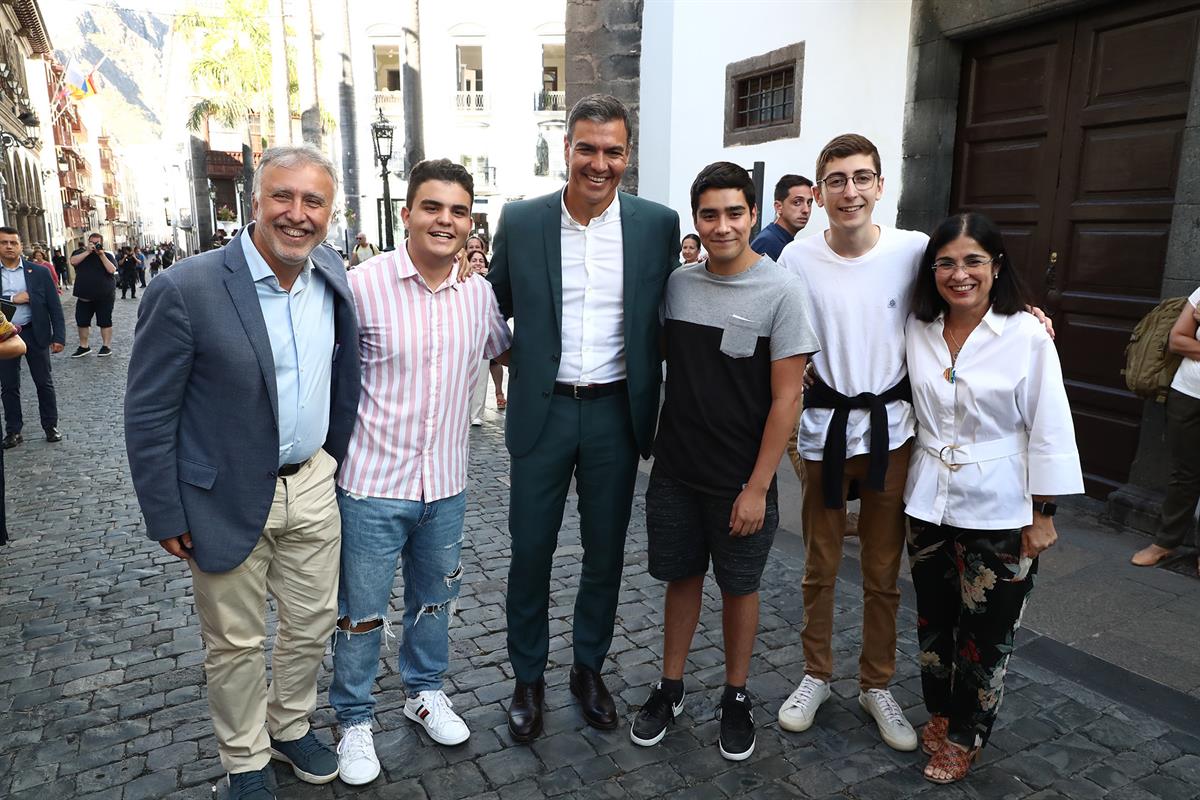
[{"x": 859, "y": 278}]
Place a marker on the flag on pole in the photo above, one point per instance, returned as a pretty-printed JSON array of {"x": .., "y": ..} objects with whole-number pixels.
[{"x": 77, "y": 85}]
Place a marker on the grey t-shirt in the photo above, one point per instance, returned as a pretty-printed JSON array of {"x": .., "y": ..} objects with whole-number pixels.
[{"x": 722, "y": 333}]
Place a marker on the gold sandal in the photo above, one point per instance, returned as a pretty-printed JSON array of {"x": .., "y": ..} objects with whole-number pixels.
[
  {"x": 952, "y": 760},
  {"x": 933, "y": 735}
]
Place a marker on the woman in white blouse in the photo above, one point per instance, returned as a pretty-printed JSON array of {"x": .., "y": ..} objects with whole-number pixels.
[{"x": 995, "y": 445}]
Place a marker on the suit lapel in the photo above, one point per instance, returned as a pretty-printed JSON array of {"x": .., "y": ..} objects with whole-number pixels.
[
  {"x": 552, "y": 230},
  {"x": 240, "y": 286},
  {"x": 629, "y": 259}
]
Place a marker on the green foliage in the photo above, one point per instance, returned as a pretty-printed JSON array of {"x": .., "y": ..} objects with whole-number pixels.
[{"x": 231, "y": 62}]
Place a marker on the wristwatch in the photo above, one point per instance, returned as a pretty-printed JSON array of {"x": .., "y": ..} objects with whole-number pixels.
[{"x": 1045, "y": 509}]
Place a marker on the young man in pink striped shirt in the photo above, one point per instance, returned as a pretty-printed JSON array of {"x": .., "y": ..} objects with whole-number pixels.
[{"x": 401, "y": 489}]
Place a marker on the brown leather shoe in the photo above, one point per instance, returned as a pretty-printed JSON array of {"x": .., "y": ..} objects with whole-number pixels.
[
  {"x": 525, "y": 710},
  {"x": 1151, "y": 555},
  {"x": 594, "y": 699}
]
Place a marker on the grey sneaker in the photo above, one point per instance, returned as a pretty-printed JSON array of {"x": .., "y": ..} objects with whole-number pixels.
[
  {"x": 312, "y": 761},
  {"x": 250, "y": 785}
]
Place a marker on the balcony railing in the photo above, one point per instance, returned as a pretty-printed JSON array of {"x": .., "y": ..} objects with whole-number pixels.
[
  {"x": 73, "y": 218},
  {"x": 550, "y": 101},
  {"x": 473, "y": 102},
  {"x": 391, "y": 103},
  {"x": 68, "y": 179}
]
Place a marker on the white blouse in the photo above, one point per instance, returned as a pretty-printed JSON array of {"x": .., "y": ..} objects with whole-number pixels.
[{"x": 996, "y": 436}]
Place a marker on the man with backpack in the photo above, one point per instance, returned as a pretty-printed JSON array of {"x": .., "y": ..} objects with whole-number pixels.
[
  {"x": 362, "y": 250},
  {"x": 1149, "y": 367}
]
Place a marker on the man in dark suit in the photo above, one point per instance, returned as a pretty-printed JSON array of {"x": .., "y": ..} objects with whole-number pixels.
[
  {"x": 39, "y": 318},
  {"x": 243, "y": 390},
  {"x": 581, "y": 272}
]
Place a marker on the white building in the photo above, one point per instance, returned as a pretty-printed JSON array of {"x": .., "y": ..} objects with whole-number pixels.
[
  {"x": 493, "y": 98},
  {"x": 850, "y": 78}
]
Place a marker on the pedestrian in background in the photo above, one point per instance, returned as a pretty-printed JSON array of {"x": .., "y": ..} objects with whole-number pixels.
[
  {"x": 95, "y": 292},
  {"x": 39, "y": 257},
  {"x": 127, "y": 274},
  {"x": 247, "y": 498},
  {"x": 1177, "y": 517},
  {"x": 11, "y": 346},
  {"x": 995, "y": 445},
  {"x": 39, "y": 320},
  {"x": 478, "y": 262}
]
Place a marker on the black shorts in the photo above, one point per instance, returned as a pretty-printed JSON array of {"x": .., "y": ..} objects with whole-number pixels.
[
  {"x": 102, "y": 309},
  {"x": 686, "y": 526}
]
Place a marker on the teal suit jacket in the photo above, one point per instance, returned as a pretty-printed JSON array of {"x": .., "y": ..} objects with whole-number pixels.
[{"x": 526, "y": 273}]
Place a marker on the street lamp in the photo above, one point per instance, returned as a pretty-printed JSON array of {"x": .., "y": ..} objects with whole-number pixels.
[
  {"x": 381, "y": 134},
  {"x": 239, "y": 185}
]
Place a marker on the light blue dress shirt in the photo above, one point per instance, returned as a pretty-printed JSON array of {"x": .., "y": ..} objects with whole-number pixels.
[
  {"x": 300, "y": 326},
  {"x": 14, "y": 284}
]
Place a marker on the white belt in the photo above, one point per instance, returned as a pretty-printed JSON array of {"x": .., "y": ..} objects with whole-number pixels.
[{"x": 955, "y": 455}]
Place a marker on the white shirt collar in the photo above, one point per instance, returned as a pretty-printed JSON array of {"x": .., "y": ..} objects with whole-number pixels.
[
  {"x": 610, "y": 214},
  {"x": 259, "y": 268}
]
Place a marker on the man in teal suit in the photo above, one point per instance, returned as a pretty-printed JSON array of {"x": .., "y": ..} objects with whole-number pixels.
[{"x": 581, "y": 272}]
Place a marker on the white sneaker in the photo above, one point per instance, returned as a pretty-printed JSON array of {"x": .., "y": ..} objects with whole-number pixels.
[
  {"x": 893, "y": 726},
  {"x": 798, "y": 711},
  {"x": 357, "y": 762},
  {"x": 433, "y": 711},
  {"x": 477, "y": 422}
]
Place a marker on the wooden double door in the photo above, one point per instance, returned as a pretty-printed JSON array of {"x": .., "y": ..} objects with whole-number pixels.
[{"x": 1070, "y": 135}]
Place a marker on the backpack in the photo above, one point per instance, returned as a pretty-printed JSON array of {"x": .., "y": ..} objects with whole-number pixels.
[{"x": 1149, "y": 366}]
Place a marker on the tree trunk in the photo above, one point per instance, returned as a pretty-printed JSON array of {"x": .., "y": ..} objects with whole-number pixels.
[
  {"x": 414, "y": 138},
  {"x": 306, "y": 71},
  {"x": 348, "y": 124},
  {"x": 279, "y": 74}
]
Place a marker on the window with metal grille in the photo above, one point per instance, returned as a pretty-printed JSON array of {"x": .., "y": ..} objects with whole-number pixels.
[
  {"x": 767, "y": 99},
  {"x": 763, "y": 97}
]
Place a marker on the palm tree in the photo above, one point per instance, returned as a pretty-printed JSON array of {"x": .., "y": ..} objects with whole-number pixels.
[{"x": 232, "y": 65}]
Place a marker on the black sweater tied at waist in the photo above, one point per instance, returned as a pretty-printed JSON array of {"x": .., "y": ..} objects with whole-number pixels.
[{"x": 821, "y": 395}]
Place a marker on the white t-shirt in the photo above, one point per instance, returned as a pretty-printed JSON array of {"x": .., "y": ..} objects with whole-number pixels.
[
  {"x": 1187, "y": 377},
  {"x": 859, "y": 307}
]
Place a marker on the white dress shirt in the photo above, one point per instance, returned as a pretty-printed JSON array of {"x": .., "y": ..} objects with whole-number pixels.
[
  {"x": 1004, "y": 423},
  {"x": 593, "y": 298}
]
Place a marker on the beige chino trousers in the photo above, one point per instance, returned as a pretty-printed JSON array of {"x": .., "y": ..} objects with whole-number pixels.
[{"x": 296, "y": 560}]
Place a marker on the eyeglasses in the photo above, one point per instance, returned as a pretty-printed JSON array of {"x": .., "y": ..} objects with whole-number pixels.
[
  {"x": 969, "y": 263},
  {"x": 864, "y": 179}
]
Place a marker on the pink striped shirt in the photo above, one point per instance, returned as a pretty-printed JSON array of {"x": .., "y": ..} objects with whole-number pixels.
[{"x": 420, "y": 352}]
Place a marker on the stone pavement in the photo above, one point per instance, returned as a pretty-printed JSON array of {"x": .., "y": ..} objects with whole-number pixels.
[{"x": 102, "y": 691}]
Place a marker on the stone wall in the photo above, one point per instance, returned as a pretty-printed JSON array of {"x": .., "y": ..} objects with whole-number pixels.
[{"x": 604, "y": 55}]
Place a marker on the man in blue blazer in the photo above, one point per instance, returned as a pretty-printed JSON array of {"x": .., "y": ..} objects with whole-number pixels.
[
  {"x": 243, "y": 390},
  {"x": 581, "y": 272},
  {"x": 39, "y": 317}
]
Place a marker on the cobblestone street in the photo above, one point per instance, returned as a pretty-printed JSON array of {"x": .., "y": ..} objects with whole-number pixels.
[{"x": 102, "y": 690}]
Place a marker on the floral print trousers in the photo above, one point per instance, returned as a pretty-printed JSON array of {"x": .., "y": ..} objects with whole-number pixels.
[{"x": 971, "y": 588}]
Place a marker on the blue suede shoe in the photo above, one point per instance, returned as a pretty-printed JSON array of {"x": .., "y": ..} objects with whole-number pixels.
[
  {"x": 312, "y": 761},
  {"x": 250, "y": 786}
]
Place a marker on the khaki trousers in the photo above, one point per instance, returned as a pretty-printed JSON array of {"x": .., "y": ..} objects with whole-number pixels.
[
  {"x": 296, "y": 560},
  {"x": 881, "y": 537}
]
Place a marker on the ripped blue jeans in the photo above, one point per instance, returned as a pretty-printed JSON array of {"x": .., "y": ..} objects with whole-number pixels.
[{"x": 427, "y": 539}]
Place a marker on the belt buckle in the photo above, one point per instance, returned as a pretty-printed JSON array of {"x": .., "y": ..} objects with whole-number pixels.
[
  {"x": 949, "y": 464},
  {"x": 575, "y": 391}
]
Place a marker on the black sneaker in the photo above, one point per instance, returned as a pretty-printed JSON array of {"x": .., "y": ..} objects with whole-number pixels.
[
  {"x": 80, "y": 352},
  {"x": 104, "y": 351},
  {"x": 737, "y": 725},
  {"x": 650, "y": 725}
]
